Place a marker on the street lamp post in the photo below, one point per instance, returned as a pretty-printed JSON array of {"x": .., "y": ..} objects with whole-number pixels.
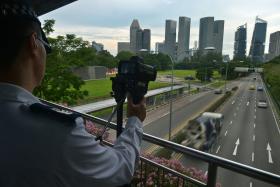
[
  {"x": 171, "y": 92},
  {"x": 226, "y": 76},
  {"x": 171, "y": 97}
]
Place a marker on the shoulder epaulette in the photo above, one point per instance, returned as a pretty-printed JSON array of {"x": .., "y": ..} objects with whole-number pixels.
[{"x": 54, "y": 113}]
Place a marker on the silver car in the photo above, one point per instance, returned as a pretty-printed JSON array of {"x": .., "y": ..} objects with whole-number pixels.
[{"x": 262, "y": 104}]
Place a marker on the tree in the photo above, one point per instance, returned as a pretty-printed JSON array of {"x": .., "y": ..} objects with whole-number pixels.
[
  {"x": 204, "y": 73},
  {"x": 48, "y": 26},
  {"x": 68, "y": 52},
  {"x": 124, "y": 55}
]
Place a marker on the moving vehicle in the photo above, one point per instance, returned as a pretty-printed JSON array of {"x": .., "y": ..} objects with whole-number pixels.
[
  {"x": 259, "y": 88},
  {"x": 218, "y": 91},
  {"x": 262, "y": 103},
  {"x": 203, "y": 131},
  {"x": 252, "y": 87}
]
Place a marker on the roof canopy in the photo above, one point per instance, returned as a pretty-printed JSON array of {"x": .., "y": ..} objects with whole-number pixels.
[{"x": 44, "y": 6}]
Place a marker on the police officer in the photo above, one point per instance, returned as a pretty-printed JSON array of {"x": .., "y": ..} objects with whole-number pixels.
[{"x": 39, "y": 146}]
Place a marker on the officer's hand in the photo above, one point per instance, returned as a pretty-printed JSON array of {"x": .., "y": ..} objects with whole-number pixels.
[{"x": 138, "y": 110}]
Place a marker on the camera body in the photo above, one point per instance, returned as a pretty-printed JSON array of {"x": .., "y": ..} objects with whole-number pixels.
[{"x": 133, "y": 77}]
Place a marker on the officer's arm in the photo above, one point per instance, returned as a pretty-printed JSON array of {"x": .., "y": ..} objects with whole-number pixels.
[{"x": 102, "y": 165}]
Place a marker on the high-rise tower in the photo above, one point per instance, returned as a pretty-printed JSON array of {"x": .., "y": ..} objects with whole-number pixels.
[
  {"x": 134, "y": 28},
  {"x": 240, "y": 41},
  {"x": 258, "y": 41},
  {"x": 218, "y": 35},
  {"x": 183, "y": 38},
  {"x": 206, "y": 27},
  {"x": 170, "y": 38}
]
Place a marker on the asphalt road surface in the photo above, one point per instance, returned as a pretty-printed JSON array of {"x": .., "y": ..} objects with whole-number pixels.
[{"x": 250, "y": 135}]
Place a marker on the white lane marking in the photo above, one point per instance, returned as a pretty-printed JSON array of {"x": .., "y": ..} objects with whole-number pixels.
[
  {"x": 268, "y": 148},
  {"x": 254, "y": 125},
  {"x": 237, "y": 108},
  {"x": 233, "y": 102},
  {"x": 226, "y": 133},
  {"x": 164, "y": 115},
  {"x": 234, "y": 114},
  {"x": 253, "y": 156},
  {"x": 218, "y": 149},
  {"x": 230, "y": 122},
  {"x": 251, "y": 184},
  {"x": 248, "y": 103},
  {"x": 255, "y": 110},
  {"x": 254, "y": 138},
  {"x": 255, "y": 117},
  {"x": 236, "y": 146}
]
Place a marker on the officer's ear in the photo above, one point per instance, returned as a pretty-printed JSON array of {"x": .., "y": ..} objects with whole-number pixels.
[{"x": 33, "y": 42}]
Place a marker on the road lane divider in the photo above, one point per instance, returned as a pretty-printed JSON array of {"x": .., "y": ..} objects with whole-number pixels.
[
  {"x": 248, "y": 103},
  {"x": 226, "y": 133},
  {"x": 233, "y": 102},
  {"x": 254, "y": 125},
  {"x": 236, "y": 146},
  {"x": 253, "y": 156},
  {"x": 272, "y": 107},
  {"x": 254, "y": 138}
]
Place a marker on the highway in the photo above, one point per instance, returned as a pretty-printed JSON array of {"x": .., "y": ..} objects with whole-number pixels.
[
  {"x": 250, "y": 135},
  {"x": 184, "y": 109}
]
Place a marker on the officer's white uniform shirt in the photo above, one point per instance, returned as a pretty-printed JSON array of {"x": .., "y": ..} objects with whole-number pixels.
[{"x": 42, "y": 150}]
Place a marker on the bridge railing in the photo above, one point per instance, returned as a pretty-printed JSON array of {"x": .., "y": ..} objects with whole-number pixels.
[{"x": 214, "y": 162}]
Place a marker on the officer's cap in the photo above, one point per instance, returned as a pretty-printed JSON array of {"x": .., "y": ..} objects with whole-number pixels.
[{"x": 21, "y": 9}]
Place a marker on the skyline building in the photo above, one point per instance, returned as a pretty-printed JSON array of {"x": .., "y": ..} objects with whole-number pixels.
[
  {"x": 97, "y": 46},
  {"x": 134, "y": 28},
  {"x": 139, "y": 39},
  {"x": 218, "y": 35},
  {"x": 170, "y": 38},
  {"x": 240, "y": 42},
  {"x": 183, "y": 37},
  {"x": 123, "y": 46},
  {"x": 274, "y": 45},
  {"x": 258, "y": 41},
  {"x": 146, "y": 44},
  {"x": 159, "y": 47},
  {"x": 206, "y": 26}
]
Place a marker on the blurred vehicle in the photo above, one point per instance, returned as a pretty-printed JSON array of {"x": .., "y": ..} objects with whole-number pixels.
[
  {"x": 262, "y": 103},
  {"x": 255, "y": 78},
  {"x": 218, "y": 91},
  {"x": 252, "y": 87},
  {"x": 260, "y": 88},
  {"x": 189, "y": 77},
  {"x": 202, "y": 132},
  {"x": 168, "y": 76}
]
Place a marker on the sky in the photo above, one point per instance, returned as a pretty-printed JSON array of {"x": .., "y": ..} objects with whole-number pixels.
[{"x": 108, "y": 21}]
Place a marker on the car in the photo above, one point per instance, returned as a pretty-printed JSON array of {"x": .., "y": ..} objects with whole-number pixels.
[
  {"x": 262, "y": 103},
  {"x": 218, "y": 91},
  {"x": 260, "y": 88},
  {"x": 189, "y": 77},
  {"x": 255, "y": 78},
  {"x": 252, "y": 87}
]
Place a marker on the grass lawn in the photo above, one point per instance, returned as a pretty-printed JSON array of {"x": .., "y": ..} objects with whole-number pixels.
[
  {"x": 179, "y": 73},
  {"x": 184, "y": 73},
  {"x": 100, "y": 89},
  {"x": 217, "y": 84}
]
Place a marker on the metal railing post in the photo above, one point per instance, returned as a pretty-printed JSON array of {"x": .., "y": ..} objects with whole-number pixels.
[{"x": 212, "y": 175}]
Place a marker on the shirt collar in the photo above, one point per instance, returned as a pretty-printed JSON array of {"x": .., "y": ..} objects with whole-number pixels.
[{"x": 11, "y": 92}]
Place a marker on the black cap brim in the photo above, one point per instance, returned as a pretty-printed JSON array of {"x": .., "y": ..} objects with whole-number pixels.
[{"x": 46, "y": 42}]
